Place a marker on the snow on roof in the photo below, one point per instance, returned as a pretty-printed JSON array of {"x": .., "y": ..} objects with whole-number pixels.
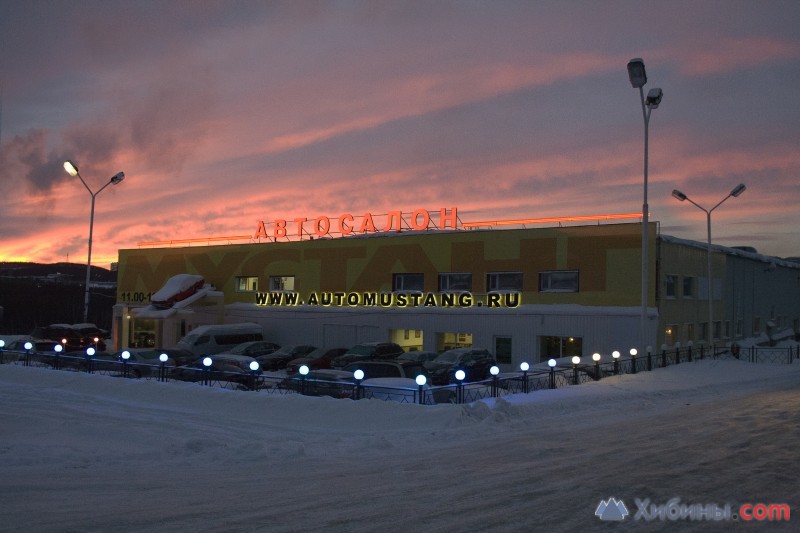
[
  {"x": 732, "y": 251},
  {"x": 175, "y": 285}
]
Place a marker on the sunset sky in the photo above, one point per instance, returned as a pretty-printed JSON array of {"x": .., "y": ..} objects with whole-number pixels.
[{"x": 222, "y": 114}]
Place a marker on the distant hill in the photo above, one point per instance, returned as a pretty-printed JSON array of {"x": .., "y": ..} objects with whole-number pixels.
[{"x": 35, "y": 294}]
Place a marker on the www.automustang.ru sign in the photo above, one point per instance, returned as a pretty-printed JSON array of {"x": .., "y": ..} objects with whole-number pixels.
[{"x": 384, "y": 299}]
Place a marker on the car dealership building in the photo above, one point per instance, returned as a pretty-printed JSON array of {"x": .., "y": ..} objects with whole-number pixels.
[{"x": 527, "y": 290}]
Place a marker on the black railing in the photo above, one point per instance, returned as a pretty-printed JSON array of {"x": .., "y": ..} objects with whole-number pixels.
[{"x": 508, "y": 383}]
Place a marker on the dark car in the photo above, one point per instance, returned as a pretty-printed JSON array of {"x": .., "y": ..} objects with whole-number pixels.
[
  {"x": 321, "y": 358},
  {"x": 322, "y": 382},
  {"x": 73, "y": 338},
  {"x": 419, "y": 357},
  {"x": 234, "y": 368},
  {"x": 254, "y": 348},
  {"x": 281, "y": 357},
  {"x": 387, "y": 369},
  {"x": 475, "y": 362},
  {"x": 368, "y": 351}
]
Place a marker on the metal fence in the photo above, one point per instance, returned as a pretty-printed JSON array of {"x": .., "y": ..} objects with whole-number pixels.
[{"x": 460, "y": 392}]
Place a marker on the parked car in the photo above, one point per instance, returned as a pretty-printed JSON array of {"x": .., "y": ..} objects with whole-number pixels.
[
  {"x": 322, "y": 382},
  {"x": 281, "y": 357},
  {"x": 475, "y": 362},
  {"x": 68, "y": 336},
  {"x": 146, "y": 362},
  {"x": 368, "y": 351},
  {"x": 387, "y": 369},
  {"x": 318, "y": 359},
  {"x": 254, "y": 348},
  {"x": 419, "y": 357},
  {"x": 403, "y": 390},
  {"x": 234, "y": 368}
]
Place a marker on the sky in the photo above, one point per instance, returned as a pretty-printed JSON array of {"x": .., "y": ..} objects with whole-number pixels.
[
  {"x": 223, "y": 114},
  {"x": 140, "y": 455}
]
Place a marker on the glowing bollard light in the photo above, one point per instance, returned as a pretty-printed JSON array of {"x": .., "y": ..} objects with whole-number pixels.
[
  {"x": 494, "y": 371},
  {"x": 89, "y": 361},
  {"x": 303, "y": 370},
  {"x": 2, "y": 346},
  {"x": 57, "y": 358},
  {"x": 358, "y": 375},
  {"x": 163, "y": 368},
  {"x": 575, "y": 361},
  {"x": 254, "y": 370},
  {"x": 421, "y": 381},
  {"x": 207, "y": 370},
  {"x": 460, "y": 375},
  {"x": 524, "y": 366},
  {"x": 615, "y": 354},
  {"x": 125, "y": 356},
  {"x": 552, "y": 364},
  {"x": 596, "y": 359},
  {"x": 28, "y": 349},
  {"x": 633, "y": 353}
]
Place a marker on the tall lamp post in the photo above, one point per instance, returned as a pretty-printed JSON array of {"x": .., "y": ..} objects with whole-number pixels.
[
  {"x": 638, "y": 78},
  {"x": 739, "y": 189},
  {"x": 72, "y": 170}
]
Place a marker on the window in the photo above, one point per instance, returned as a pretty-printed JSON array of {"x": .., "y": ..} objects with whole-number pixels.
[
  {"x": 502, "y": 348},
  {"x": 558, "y": 281},
  {"x": 555, "y": 347},
  {"x": 455, "y": 281},
  {"x": 504, "y": 281},
  {"x": 688, "y": 287},
  {"x": 246, "y": 283},
  {"x": 408, "y": 282},
  {"x": 671, "y": 286},
  {"x": 281, "y": 283}
]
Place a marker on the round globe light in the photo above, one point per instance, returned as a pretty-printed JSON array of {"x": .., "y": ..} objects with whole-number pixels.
[
  {"x": 494, "y": 370},
  {"x": 615, "y": 354},
  {"x": 460, "y": 375},
  {"x": 595, "y": 357},
  {"x": 551, "y": 363},
  {"x": 304, "y": 370},
  {"x": 575, "y": 359},
  {"x": 421, "y": 380},
  {"x": 254, "y": 366},
  {"x": 163, "y": 357},
  {"x": 207, "y": 362},
  {"x": 90, "y": 351},
  {"x": 2, "y": 343},
  {"x": 358, "y": 374},
  {"x": 126, "y": 355},
  {"x": 58, "y": 348},
  {"x": 524, "y": 366},
  {"x": 634, "y": 351},
  {"x": 28, "y": 345}
]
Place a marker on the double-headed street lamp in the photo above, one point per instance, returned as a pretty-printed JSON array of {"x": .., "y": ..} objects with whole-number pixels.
[
  {"x": 638, "y": 77},
  {"x": 72, "y": 170},
  {"x": 739, "y": 189}
]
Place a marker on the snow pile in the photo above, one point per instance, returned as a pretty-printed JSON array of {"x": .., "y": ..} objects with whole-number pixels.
[{"x": 99, "y": 453}]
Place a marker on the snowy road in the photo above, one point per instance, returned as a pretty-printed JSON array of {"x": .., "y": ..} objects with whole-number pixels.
[{"x": 97, "y": 453}]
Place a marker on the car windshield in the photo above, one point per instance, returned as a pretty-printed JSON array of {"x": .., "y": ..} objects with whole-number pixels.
[
  {"x": 241, "y": 349},
  {"x": 448, "y": 357},
  {"x": 362, "y": 349}
]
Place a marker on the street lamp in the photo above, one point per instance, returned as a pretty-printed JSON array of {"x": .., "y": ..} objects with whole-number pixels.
[
  {"x": 638, "y": 78},
  {"x": 736, "y": 191},
  {"x": 72, "y": 170}
]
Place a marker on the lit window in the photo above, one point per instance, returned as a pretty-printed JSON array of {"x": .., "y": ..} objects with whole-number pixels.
[
  {"x": 408, "y": 282},
  {"x": 246, "y": 283},
  {"x": 455, "y": 281},
  {"x": 503, "y": 281},
  {"x": 281, "y": 283},
  {"x": 558, "y": 281}
]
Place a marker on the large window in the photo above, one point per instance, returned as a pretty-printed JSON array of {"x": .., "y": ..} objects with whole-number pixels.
[
  {"x": 281, "y": 283},
  {"x": 408, "y": 282},
  {"x": 246, "y": 283},
  {"x": 455, "y": 281},
  {"x": 556, "y": 347},
  {"x": 504, "y": 281},
  {"x": 671, "y": 286},
  {"x": 688, "y": 287},
  {"x": 558, "y": 281},
  {"x": 502, "y": 350}
]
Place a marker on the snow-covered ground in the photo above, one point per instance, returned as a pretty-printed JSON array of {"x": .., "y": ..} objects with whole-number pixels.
[{"x": 85, "y": 452}]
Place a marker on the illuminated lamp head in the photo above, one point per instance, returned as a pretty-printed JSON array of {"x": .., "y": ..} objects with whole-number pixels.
[
  {"x": 551, "y": 363},
  {"x": 524, "y": 366}
]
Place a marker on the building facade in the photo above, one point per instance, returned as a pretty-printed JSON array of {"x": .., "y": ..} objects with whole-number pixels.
[{"x": 525, "y": 294}]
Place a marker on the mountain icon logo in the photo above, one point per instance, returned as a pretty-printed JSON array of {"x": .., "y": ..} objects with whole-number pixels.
[{"x": 612, "y": 510}]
